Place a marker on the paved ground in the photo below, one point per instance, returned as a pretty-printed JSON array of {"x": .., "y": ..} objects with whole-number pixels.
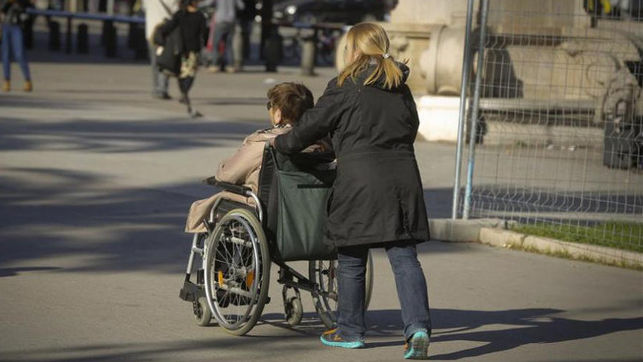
[{"x": 95, "y": 180}]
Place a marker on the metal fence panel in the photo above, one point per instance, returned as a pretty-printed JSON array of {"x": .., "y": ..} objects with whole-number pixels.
[{"x": 559, "y": 127}]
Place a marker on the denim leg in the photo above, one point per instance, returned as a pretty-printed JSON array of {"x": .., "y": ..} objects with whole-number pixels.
[
  {"x": 411, "y": 288},
  {"x": 155, "y": 70},
  {"x": 229, "y": 43},
  {"x": 351, "y": 289},
  {"x": 6, "y": 55},
  {"x": 18, "y": 47},
  {"x": 220, "y": 30},
  {"x": 160, "y": 81}
]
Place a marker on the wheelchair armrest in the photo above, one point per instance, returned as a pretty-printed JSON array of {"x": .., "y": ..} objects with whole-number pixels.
[{"x": 237, "y": 189}]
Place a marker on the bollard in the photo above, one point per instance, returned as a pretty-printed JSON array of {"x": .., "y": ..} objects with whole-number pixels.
[
  {"x": 273, "y": 51},
  {"x": 68, "y": 44},
  {"x": 82, "y": 39},
  {"x": 103, "y": 33},
  {"x": 28, "y": 32},
  {"x": 131, "y": 36},
  {"x": 308, "y": 54},
  {"x": 237, "y": 48},
  {"x": 54, "y": 35},
  {"x": 110, "y": 39},
  {"x": 140, "y": 43}
]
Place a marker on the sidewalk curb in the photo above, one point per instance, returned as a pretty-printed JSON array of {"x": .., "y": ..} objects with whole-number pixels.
[
  {"x": 507, "y": 238},
  {"x": 462, "y": 230},
  {"x": 494, "y": 232}
]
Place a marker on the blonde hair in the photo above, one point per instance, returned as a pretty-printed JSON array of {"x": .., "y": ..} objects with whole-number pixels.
[{"x": 371, "y": 42}]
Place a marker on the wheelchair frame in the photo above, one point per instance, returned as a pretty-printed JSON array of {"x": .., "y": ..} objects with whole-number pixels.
[{"x": 198, "y": 293}]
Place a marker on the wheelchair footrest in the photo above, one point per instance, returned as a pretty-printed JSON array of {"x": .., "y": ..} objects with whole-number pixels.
[{"x": 191, "y": 292}]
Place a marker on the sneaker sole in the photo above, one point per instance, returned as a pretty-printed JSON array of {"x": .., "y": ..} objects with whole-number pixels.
[
  {"x": 350, "y": 345},
  {"x": 419, "y": 347}
]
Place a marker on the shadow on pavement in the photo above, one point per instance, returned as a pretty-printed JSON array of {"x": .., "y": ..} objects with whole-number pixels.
[
  {"x": 10, "y": 272},
  {"x": 51, "y": 212},
  {"x": 46, "y": 213},
  {"x": 106, "y": 136},
  {"x": 519, "y": 327}
]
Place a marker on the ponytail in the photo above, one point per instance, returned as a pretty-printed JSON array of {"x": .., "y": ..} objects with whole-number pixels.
[{"x": 371, "y": 42}]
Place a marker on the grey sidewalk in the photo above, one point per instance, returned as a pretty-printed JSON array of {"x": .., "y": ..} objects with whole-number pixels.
[{"x": 95, "y": 181}]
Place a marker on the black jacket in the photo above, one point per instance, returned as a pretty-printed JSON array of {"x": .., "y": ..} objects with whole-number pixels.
[
  {"x": 15, "y": 12},
  {"x": 192, "y": 28},
  {"x": 377, "y": 196}
]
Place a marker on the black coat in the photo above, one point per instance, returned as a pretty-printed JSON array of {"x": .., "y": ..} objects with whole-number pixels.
[{"x": 377, "y": 196}]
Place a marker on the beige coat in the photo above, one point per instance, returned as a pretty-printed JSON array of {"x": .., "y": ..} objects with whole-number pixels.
[{"x": 240, "y": 169}]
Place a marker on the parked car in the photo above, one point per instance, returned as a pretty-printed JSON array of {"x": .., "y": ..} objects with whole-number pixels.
[{"x": 331, "y": 11}]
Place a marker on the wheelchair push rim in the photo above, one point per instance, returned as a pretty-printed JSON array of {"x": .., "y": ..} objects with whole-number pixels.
[{"x": 237, "y": 269}]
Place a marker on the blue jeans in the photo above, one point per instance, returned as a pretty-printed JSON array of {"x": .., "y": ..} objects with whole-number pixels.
[
  {"x": 222, "y": 31},
  {"x": 12, "y": 42},
  {"x": 160, "y": 81},
  {"x": 409, "y": 280}
]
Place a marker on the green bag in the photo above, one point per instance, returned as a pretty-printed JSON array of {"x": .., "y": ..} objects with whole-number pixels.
[{"x": 302, "y": 214}]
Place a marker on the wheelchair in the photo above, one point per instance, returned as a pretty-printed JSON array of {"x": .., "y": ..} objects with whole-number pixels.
[{"x": 232, "y": 260}]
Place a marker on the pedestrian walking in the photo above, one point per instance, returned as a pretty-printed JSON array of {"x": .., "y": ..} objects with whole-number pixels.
[
  {"x": 225, "y": 17},
  {"x": 191, "y": 24},
  {"x": 377, "y": 198},
  {"x": 156, "y": 11},
  {"x": 14, "y": 17}
]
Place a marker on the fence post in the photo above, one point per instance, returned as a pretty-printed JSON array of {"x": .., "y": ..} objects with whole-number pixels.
[
  {"x": 466, "y": 65},
  {"x": 474, "y": 112}
]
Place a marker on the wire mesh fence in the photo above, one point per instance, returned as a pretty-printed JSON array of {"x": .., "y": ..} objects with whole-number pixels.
[{"x": 558, "y": 129}]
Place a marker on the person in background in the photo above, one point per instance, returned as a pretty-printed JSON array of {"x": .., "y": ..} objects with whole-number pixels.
[
  {"x": 155, "y": 12},
  {"x": 225, "y": 17},
  {"x": 14, "y": 17},
  {"x": 191, "y": 22}
]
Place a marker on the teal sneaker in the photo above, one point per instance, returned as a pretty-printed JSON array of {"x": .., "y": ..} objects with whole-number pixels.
[
  {"x": 417, "y": 347},
  {"x": 331, "y": 338}
]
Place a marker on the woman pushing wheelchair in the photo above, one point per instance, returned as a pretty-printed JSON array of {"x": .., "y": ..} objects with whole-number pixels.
[{"x": 377, "y": 199}]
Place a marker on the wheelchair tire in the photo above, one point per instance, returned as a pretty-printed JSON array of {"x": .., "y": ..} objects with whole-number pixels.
[
  {"x": 324, "y": 273},
  {"x": 237, "y": 271},
  {"x": 293, "y": 310},
  {"x": 202, "y": 313}
]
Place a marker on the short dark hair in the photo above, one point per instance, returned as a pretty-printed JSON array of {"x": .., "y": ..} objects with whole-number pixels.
[{"x": 293, "y": 99}]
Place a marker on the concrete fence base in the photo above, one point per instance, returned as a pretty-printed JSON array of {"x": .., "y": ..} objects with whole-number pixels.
[{"x": 495, "y": 232}]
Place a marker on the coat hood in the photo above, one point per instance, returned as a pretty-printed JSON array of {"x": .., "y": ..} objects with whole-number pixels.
[{"x": 379, "y": 83}]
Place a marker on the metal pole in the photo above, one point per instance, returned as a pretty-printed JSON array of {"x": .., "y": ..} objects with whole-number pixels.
[
  {"x": 466, "y": 65},
  {"x": 474, "y": 111}
]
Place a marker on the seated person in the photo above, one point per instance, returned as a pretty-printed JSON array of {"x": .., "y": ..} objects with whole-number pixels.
[{"x": 286, "y": 103}]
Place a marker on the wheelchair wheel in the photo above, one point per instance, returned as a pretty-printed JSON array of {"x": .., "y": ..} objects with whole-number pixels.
[
  {"x": 202, "y": 313},
  {"x": 324, "y": 273},
  {"x": 293, "y": 308},
  {"x": 237, "y": 271}
]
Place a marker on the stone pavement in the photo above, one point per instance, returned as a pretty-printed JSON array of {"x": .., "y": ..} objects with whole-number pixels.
[{"x": 95, "y": 181}]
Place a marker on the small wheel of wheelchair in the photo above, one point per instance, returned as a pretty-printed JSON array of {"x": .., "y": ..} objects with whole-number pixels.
[
  {"x": 237, "y": 271},
  {"x": 293, "y": 309},
  {"x": 324, "y": 274},
  {"x": 202, "y": 313}
]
